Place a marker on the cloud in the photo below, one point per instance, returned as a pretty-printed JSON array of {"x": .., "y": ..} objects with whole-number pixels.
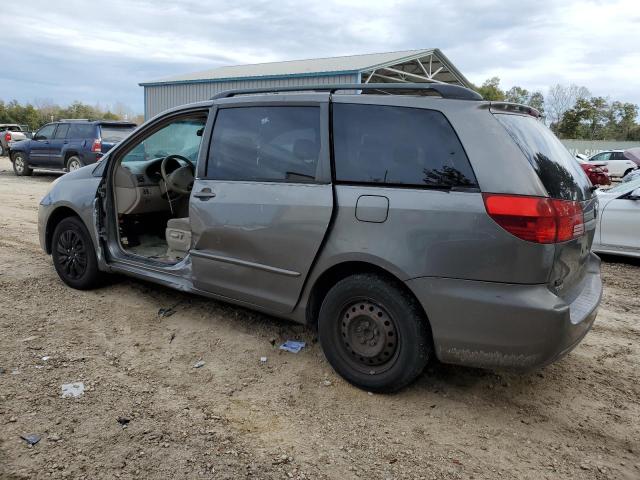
[{"x": 99, "y": 51}]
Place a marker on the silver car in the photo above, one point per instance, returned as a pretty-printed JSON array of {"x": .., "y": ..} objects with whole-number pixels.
[
  {"x": 405, "y": 221},
  {"x": 618, "y": 227}
]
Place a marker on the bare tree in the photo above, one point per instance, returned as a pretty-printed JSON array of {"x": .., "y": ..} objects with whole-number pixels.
[{"x": 562, "y": 98}]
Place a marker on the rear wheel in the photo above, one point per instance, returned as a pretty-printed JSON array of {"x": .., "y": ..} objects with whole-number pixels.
[
  {"x": 2, "y": 151},
  {"x": 20, "y": 165},
  {"x": 74, "y": 257},
  {"x": 374, "y": 333},
  {"x": 74, "y": 163}
]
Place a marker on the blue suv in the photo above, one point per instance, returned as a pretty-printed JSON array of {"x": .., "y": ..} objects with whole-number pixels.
[{"x": 67, "y": 145}]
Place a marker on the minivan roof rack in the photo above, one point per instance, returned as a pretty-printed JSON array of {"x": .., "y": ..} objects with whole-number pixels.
[
  {"x": 443, "y": 89},
  {"x": 74, "y": 120}
]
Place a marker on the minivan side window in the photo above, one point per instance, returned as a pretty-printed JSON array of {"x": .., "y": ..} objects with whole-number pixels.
[
  {"x": 398, "y": 146},
  {"x": 265, "y": 144}
]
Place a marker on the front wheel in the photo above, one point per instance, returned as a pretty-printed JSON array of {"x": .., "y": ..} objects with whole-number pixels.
[
  {"x": 373, "y": 333},
  {"x": 74, "y": 256},
  {"x": 20, "y": 165}
]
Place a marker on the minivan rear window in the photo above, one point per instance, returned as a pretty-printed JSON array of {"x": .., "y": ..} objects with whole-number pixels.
[
  {"x": 398, "y": 146},
  {"x": 114, "y": 134},
  {"x": 558, "y": 171}
]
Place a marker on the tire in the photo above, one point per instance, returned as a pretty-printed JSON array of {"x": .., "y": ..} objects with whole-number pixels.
[
  {"x": 21, "y": 165},
  {"x": 74, "y": 256},
  {"x": 373, "y": 333},
  {"x": 627, "y": 172},
  {"x": 3, "y": 152},
  {"x": 74, "y": 163}
]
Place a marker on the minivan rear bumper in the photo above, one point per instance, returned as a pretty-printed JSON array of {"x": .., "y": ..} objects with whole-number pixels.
[{"x": 498, "y": 325}]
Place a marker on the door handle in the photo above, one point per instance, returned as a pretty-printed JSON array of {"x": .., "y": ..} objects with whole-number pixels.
[{"x": 204, "y": 194}]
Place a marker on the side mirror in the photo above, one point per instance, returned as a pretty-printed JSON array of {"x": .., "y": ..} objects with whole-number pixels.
[
  {"x": 635, "y": 194},
  {"x": 38, "y": 137}
]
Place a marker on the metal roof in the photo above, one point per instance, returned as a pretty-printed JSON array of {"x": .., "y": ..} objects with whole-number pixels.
[{"x": 372, "y": 64}]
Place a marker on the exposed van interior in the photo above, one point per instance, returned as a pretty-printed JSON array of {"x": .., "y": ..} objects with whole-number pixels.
[{"x": 152, "y": 185}]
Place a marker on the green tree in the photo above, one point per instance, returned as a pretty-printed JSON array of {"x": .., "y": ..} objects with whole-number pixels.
[{"x": 490, "y": 89}]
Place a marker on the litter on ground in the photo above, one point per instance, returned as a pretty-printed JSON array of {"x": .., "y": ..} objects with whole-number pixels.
[
  {"x": 72, "y": 389},
  {"x": 292, "y": 346},
  {"x": 30, "y": 438}
]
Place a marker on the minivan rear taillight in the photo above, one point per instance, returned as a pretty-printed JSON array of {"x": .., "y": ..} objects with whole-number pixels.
[
  {"x": 7, "y": 137},
  {"x": 97, "y": 145},
  {"x": 536, "y": 219}
]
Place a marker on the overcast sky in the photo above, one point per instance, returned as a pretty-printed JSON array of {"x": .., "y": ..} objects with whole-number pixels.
[{"x": 97, "y": 51}]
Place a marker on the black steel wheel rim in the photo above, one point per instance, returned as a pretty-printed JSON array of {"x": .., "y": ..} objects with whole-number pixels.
[
  {"x": 71, "y": 254},
  {"x": 369, "y": 336}
]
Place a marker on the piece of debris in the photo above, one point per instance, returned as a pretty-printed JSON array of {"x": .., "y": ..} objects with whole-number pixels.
[
  {"x": 72, "y": 389},
  {"x": 327, "y": 383},
  {"x": 272, "y": 341},
  {"x": 198, "y": 364},
  {"x": 45, "y": 358},
  {"x": 124, "y": 421},
  {"x": 173, "y": 335},
  {"x": 292, "y": 346},
  {"x": 167, "y": 312},
  {"x": 28, "y": 339},
  {"x": 31, "y": 438},
  {"x": 3, "y": 370},
  {"x": 263, "y": 359}
]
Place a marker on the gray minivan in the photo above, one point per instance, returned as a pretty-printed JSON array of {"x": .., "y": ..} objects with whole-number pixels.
[{"x": 404, "y": 221}]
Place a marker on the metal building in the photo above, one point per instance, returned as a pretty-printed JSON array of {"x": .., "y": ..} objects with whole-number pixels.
[{"x": 429, "y": 65}]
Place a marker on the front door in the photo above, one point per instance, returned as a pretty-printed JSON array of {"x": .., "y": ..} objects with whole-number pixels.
[
  {"x": 40, "y": 146},
  {"x": 263, "y": 205},
  {"x": 620, "y": 224}
]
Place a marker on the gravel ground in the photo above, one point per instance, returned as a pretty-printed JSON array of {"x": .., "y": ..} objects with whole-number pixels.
[{"x": 290, "y": 417}]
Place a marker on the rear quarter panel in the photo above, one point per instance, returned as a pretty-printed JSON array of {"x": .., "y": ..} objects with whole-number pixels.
[{"x": 432, "y": 233}]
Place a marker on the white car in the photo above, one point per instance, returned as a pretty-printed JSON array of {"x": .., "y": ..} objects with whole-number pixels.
[
  {"x": 618, "y": 220},
  {"x": 617, "y": 163}
]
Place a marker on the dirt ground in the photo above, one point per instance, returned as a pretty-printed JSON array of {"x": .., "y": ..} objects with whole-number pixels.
[{"x": 291, "y": 417}]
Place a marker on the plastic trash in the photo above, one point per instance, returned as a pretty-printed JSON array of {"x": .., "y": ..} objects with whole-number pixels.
[
  {"x": 31, "y": 438},
  {"x": 198, "y": 364},
  {"x": 263, "y": 359},
  {"x": 292, "y": 346},
  {"x": 72, "y": 389}
]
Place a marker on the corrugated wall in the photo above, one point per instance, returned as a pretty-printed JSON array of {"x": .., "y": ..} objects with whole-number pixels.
[
  {"x": 591, "y": 147},
  {"x": 159, "y": 98}
]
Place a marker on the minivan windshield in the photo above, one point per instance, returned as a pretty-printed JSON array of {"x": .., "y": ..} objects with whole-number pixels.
[
  {"x": 559, "y": 172},
  {"x": 115, "y": 133}
]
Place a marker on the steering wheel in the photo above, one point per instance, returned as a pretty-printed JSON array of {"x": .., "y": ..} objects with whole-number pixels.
[{"x": 179, "y": 180}]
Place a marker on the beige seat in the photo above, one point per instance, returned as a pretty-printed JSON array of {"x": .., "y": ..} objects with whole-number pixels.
[{"x": 178, "y": 235}]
